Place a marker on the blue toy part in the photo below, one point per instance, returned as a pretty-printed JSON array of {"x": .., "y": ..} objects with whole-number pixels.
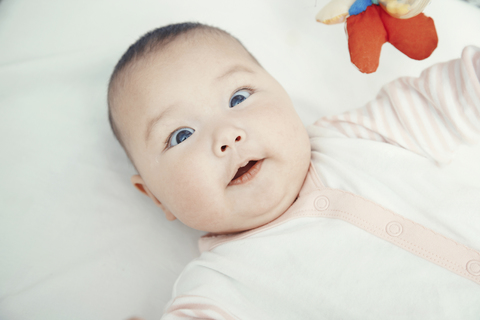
[{"x": 359, "y": 6}]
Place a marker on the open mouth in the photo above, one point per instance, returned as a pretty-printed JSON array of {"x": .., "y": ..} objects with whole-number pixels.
[{"x": 247, "y": 172}]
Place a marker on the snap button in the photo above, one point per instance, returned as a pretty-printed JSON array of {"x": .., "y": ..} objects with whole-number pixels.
[
  {"x": 394, "y": 229},
  {"x": 321, "y": 203},
  {"x": 473, "y": 267}
]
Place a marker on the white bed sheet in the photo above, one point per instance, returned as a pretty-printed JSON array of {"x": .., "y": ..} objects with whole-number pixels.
[{"x": 76, "y": 240}]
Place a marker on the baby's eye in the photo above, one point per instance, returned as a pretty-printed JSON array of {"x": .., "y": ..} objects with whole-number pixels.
[
  {"x": 179, "y": 135},
  {"x": 238, "y": 97}
]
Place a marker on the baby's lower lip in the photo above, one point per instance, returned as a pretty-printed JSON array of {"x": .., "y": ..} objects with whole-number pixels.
[{"x": 249, "y": 175}]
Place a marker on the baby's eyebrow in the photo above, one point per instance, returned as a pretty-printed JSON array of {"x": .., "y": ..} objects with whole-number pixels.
[
  {"x": 232, "y": 70},
  {"x": 154, "y": 121}
]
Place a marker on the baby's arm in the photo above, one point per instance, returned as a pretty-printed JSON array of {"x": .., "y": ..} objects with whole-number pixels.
[{"x": 430, "y": 115}]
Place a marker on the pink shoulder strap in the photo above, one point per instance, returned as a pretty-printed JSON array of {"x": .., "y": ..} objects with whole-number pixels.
[
  {"x": 402, "y": 232},
  {"x": 385, "y": 224}
]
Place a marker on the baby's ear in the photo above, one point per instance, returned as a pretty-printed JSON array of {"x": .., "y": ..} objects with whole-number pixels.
[{"x": 138, "y": 183}]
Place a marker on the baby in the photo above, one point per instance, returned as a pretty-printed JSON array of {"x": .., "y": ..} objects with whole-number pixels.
[
  {"x": 347, "y": 219},
  {"x": 215, "y": 139}
]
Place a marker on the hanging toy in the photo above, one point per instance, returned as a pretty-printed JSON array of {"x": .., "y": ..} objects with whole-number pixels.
[{"x": 371, "y": 23}]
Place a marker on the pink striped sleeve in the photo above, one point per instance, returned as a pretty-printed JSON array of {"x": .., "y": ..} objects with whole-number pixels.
[
  {"x": 195, "y": 307},
  {"x": 430, "y": 115}
]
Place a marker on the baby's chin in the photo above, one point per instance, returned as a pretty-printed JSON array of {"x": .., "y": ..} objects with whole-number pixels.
[
  {"x": 253, "y": 222},
  {"x": 242, "y": 221},
  {"x": 255, "y": 219},
  {"x": 237, "y": 229}
]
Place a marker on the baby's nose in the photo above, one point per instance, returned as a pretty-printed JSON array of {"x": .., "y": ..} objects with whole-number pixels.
[
  {"x": 227, "y": 139},
  {"x": 224, "y": 147}
]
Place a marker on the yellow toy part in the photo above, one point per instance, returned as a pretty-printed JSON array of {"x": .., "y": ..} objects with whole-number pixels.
[
  {"x": 403, "y": 9},
  {"x": 336, "y": 11}
]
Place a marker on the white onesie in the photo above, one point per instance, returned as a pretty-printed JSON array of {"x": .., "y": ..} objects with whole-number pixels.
[{"x": 381, "y": 228}]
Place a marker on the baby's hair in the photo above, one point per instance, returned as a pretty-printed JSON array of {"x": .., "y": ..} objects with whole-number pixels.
[{"x": 149, "y": 43}]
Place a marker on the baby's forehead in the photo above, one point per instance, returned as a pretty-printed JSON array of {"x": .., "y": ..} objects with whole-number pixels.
[
  {"x": 181, "y": 50},
  {"x": 195, "y": 48},
  {"x": 191, "y": 40},
  {"x": 167, "y": 63}
]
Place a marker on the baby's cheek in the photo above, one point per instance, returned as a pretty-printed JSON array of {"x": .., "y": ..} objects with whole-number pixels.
[
  {"x": 283, "y": 124},
  {"x": 190, "y": 193},
  {"x": 197, "y": 210}
]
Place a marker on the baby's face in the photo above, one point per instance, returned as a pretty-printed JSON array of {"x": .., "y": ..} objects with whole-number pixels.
[{"x": 195, "y": 114}]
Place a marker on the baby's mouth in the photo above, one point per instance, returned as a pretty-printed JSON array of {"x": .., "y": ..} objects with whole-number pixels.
[{"x": 247, "y": 172}]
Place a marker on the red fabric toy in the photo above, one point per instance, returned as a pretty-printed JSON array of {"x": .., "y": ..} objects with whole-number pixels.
[{"x": 368, "y": 30}]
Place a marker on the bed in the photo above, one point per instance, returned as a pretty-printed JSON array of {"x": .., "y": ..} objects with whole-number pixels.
[{"x": 77, "y": 241}]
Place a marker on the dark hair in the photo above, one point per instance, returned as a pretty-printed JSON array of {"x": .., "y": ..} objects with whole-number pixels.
[{"x": 152, "y": 42}]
